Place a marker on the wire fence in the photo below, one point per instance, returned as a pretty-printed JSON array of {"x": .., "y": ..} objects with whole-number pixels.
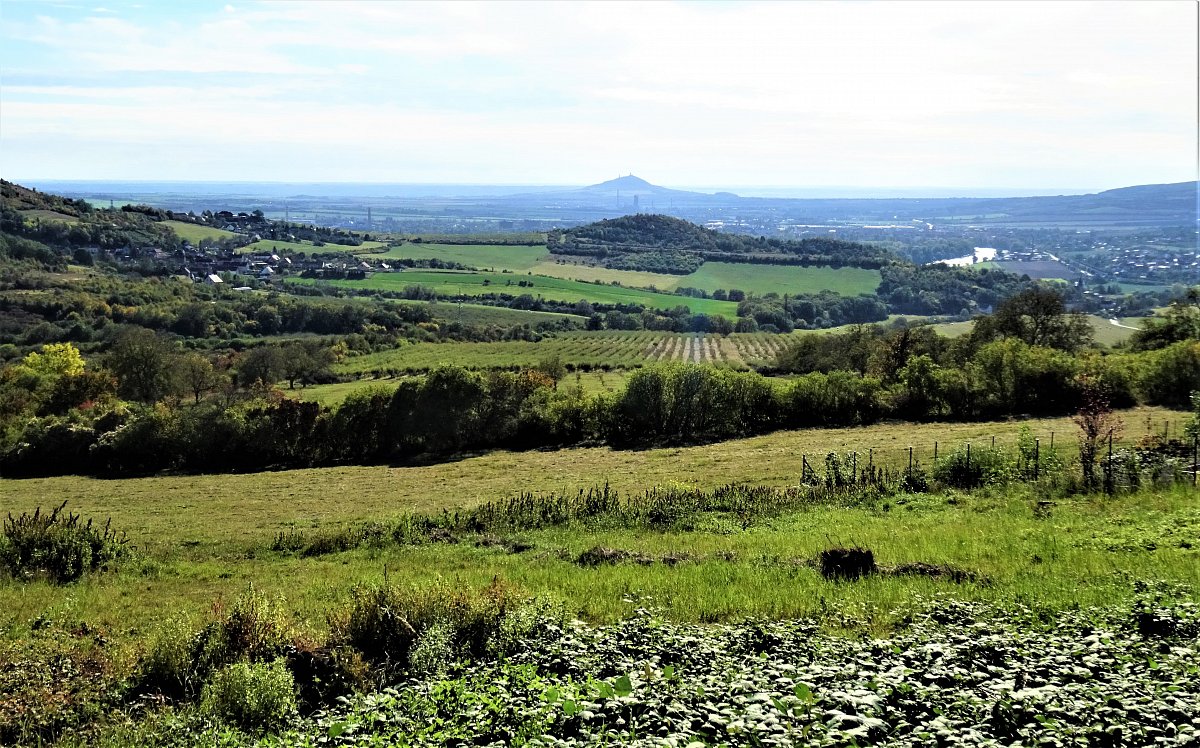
[{"x": 1163, "y": 455}]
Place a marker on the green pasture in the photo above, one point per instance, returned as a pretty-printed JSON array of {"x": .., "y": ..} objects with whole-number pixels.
[
  {"x": 555, "y": 289},
  {"x": 195, "y": 234}
]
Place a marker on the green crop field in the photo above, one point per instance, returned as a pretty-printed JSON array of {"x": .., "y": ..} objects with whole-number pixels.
[
  {"x": 615, "y": 349},
  {"x": 482, "y": 256},
  {"x": 195, "y": 234},
  {"x": 782, "y": 279},
  {"x": 556, "y": 289}
]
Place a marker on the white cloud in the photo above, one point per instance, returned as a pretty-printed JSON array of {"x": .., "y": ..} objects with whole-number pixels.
[{"x": 888, "y": 93}]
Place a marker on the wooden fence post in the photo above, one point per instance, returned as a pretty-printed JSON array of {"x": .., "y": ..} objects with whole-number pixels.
[{"x": 1037, "y": 457}]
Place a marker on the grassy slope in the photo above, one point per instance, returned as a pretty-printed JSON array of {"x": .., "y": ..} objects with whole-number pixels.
[
  {"x": 477, "y": 256},
  {"x": 782, "y": 279},
  {"x": 195, "y": 533},
  {"x": 215, "y": 509},
  {"x": 196, "y": 234},
  {"x": 48, "y": 215},
  {"x": 557, "y": 289}
]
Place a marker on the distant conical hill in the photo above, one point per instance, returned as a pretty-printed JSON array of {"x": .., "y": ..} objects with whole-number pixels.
[{"x": 630, "y": 185}]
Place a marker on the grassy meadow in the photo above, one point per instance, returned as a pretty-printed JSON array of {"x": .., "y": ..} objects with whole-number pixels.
[
  {"x": 233, "y": 512},
  {"x": 195, "y": 233}
]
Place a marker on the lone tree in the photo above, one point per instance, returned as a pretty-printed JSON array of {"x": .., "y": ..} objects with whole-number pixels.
[
  {"x": 1038, "y": 316},
  {"x": 143, "y": 362},
  {"x": 1096, "y": 421}
]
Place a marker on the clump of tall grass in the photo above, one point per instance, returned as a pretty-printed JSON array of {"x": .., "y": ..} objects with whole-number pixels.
[
  {"x": 402, "y": 630},
  {"x": 180, "y": 659}
]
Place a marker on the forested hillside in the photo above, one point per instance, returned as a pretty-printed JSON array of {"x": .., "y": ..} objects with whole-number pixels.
[{"x": 664, "y": 244}]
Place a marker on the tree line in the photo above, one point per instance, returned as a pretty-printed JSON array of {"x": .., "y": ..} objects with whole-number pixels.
[{"x": 60, "y": 414}]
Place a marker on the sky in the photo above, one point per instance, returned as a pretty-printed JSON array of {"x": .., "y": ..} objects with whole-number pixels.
[{"x": 1020, "y": 95}]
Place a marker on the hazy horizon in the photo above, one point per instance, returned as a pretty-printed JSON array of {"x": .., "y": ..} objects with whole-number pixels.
[{"x": 445, "y": 189}]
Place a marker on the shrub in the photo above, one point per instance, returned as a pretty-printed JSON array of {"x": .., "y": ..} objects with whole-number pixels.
[
  {"x": 178, "y": 660},
  {"x": 58, "y": 546},
  {"x": 969, "y": 467},
  {"x": 388, "y": 625},
  {"x": 257, "y": 697}
]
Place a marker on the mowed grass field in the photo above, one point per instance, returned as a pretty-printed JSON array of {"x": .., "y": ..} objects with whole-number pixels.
[
  {"x": 781, "y": 279},
  {"x": 203, "y": 538},
  {"x": 555, "y": 289},
  {"x": 196, "y": 234}
]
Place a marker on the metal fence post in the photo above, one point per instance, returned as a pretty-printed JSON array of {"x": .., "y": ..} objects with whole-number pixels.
[
  {"x": 910, "y": 460},
  {"x": 1195, "y": 457},
  {"x": 1037, "y": 457},
  {"x": 1108, "y": 476}
]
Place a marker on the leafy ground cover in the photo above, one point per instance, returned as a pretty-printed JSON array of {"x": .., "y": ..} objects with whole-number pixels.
[{"x": 961, "y": 674}]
